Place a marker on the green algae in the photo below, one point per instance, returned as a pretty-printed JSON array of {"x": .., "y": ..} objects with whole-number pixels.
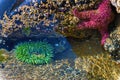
[
  {"x": 3, "y": 55},
  {"x": 27, "y": 31}
]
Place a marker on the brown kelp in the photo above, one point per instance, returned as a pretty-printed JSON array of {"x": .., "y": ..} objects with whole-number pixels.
[{"x": 99, "y": 67}]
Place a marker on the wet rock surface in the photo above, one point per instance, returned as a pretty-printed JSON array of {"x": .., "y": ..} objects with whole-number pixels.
[
  {"x": 112, "y": 44},
  {"x": 116, "y": 4}
]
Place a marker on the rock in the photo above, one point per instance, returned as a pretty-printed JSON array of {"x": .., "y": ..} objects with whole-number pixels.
[
  {"x": 116, "y": 3},
  {"x": 68, "y": 25},
  {"x": 113, "y": 42}
]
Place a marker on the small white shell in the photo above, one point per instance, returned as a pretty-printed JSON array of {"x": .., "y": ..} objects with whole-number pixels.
[{"x": 116, "y": 3}]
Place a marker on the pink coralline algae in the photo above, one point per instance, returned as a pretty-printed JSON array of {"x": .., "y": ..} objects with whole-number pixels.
[{"x": 96, "y": 19}]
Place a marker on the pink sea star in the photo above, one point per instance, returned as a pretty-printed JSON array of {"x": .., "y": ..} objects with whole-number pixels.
[{"x": 96, "y": 19}]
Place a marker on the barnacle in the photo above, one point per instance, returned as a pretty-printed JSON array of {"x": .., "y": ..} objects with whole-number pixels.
[
  {"x": 116, "y": 3},
  {"x": 28, "y": 16}
]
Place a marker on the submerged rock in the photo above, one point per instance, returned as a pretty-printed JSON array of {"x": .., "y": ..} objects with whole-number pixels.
[
  {"x": 59, "y": 70},
  {"x": 112, "y": 44},
  {"x": 116, "y": 3},
  {"x": 17, "y": 16}
]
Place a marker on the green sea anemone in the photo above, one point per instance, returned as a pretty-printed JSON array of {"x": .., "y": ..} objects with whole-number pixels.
[{"x": 34, "y": 52}]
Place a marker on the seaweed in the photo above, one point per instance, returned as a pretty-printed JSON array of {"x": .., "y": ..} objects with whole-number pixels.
[
  {"x": 3, "y": 55},
  {"x": 99, "y": 67}
]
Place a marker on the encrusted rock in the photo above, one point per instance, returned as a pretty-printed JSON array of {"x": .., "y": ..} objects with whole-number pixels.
[
  {"x": 113, "y": 42},
  {"x": 116, "y": 3}
]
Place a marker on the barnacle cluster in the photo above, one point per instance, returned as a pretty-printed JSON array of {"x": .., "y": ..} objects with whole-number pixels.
[
  {"x": 99, "y": 67},
  {"x": 113, "y": 43},
  {"x": 116, "y": 3},
  {"x": 27, "y": 16}
]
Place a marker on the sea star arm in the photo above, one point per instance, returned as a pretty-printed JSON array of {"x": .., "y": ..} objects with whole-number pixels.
[
  {"x": 86, "y": 25},
  {"x": 84, "y": 14},
  {"x": 104, "y": 34}
]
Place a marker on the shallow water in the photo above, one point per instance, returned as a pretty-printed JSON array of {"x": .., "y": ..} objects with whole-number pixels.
[
  {"x": 64, "y": 69},
  {"x": 86, "y": 47},
  {"x": 68, "y": 52}
]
